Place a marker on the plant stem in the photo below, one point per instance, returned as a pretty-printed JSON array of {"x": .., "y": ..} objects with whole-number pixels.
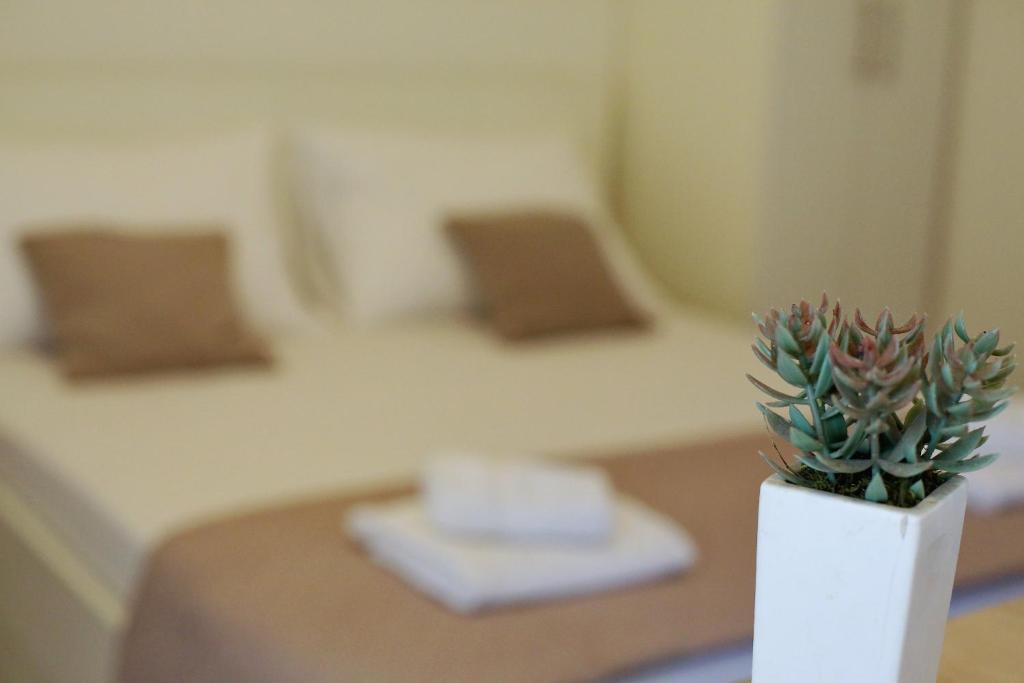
[{"x": 933, "y": 442}]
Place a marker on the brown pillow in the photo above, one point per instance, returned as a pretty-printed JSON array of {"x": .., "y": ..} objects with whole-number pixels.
[
  {"x": 123, "y": 303},
  {"x": 541, "y": 273}
]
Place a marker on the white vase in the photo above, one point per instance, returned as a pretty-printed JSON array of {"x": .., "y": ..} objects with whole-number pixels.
[{"x": 850, "y": 591}]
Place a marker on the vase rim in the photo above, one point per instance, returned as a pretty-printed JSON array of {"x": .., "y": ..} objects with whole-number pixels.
[{"x": 924, "y": 507}]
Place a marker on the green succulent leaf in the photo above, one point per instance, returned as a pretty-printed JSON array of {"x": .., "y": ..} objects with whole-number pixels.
[
  {"x": 906, "y": 448},
  {"x": 852, "y": 442},
  {"x": 917, "y": 488},
  {"x": 904, "y": 395},
  {"x": 783, "y": 472},
  {"x": 954, "y": 431},
  {"x": 765, "y": 360},
  {"x": 961, "y": 328},
  {"x": 775, "y": 422},
  {"x": 820, "y": 354},
  {"x": 1005, "y": 351},
  {"x": 931, "y": 399},
  {"x": 800, "y": 422},
  {"x": 962, "y": 447},
  {"x": 987, "y": 342},
  {"x": 990, "y": 413},
  {"x": 876, "y": 492},
  {"x": 841, "y": 466},
  {"x": 814, "y": 464},
  {"x": 975, "y": 463},
  {"x": 964, "y": 409},
  {"x": 784, "y": 404},
  {"x": 915, "y": 410},
  {"x": 993, "y": 395},
  {"x": 790, "y": 371},
  {"x": 824, "y": 381},
  {"x": 947, "y": 333},
  {"x": 947, "y": 378},
  {"x": 970, "y": 361},
  {"x": 934, "y": 356},
  {"x": 834, "y": 427},
  {"x": 785, "y": 339},
  {"x": 997, "y": 379},
  {"x": 816, "y": 329},
  {"x": 803, "y": 441},
  {"x": 832, "y": 411},
  {"x": 905, "y": 470},
  {"x": 847, "y": 381},
  {"x": 775, "y": 393}
]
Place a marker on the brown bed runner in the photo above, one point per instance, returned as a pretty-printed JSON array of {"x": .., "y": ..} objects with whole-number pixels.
[{"x": 282, "y": 596}]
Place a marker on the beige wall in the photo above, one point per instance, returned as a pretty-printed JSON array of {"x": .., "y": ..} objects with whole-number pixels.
[
  {"x": 851, "y": 165},
  {"x": 752, "y": 164},
  {"x": 567, "y": 36},
  {"x": 986, "y": 246},
  {"x": 695, "y": 96},
  {"x": 760, "y": 165},
  {"x": 116, "y": 68}
]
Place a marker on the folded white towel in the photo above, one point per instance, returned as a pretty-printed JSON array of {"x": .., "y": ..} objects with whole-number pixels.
[
  {"x": 1001, "y": 484},
  {"x": 470, "y": 574},
  {"x": 518, "y": 499}
]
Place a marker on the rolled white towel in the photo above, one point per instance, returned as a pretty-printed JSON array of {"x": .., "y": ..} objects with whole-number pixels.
[
  {"x": 470, "y": 574},
  {"x": 518, "y": 499}
]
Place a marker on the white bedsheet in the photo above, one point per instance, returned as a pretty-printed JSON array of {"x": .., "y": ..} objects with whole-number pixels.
[{"x": 114, "y": 466}]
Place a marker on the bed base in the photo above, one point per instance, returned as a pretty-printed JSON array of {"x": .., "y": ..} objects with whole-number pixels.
[{"x": 58, "y": 624}]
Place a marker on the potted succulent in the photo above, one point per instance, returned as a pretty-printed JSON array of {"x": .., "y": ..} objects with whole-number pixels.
[{"x": 858, "y": 533}]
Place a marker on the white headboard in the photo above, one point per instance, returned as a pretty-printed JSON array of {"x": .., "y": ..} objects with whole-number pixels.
[{"x": 144, "y": 68}]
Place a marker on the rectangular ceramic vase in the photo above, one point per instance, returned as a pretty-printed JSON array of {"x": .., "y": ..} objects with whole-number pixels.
[{"x": 850, "y": 591}]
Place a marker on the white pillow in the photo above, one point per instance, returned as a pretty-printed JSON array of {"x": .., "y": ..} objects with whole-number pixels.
[
  {"x": 226, "y": 181},
  {"x": 379, "y": 203}
]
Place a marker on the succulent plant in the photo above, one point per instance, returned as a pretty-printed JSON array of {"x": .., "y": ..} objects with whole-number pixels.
[{"x": 873, "y": 411}]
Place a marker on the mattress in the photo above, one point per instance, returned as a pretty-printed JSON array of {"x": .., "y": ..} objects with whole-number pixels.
[{"x": 115, "y": 466}]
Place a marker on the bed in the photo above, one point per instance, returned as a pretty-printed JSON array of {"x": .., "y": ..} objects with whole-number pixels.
[
  {"x": 131, "y": 462},
  {"x": 92, "y": 477}
]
